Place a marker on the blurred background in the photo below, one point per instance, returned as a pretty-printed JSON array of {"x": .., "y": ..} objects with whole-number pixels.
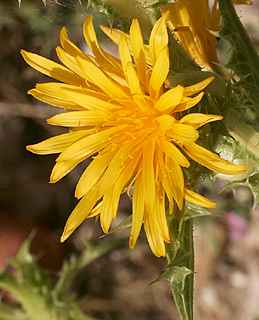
[{"x": 115, "y": 286}]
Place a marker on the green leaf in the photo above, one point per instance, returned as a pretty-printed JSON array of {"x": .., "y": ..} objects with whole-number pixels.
[
  {"x": 9, "y": 313},
  {"x": 44, "y": 2},
  {"x": 194, "y": 211},
  {"x": 180, "y": 256},
  {"x": 34, "y": 289},
  {"x": 71, "y": 268},
  {"x": 244, "y": 60},
  {"x": 243, "y": 150},
  {"x": 252, "y": 183},
  {"x": 155, "y": 3},
  {"x": 242, "y": 112},
  {"x": 123, "y": 225},
  {"x": 31, "y": 286},
  {"x": 177, "y": 277},
  {"x": 123, "y": 11}
]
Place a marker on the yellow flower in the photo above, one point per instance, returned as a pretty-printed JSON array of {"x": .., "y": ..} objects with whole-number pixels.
[
  {"x": 121, "y": 114},
  {"x": 191, "y": 23}
]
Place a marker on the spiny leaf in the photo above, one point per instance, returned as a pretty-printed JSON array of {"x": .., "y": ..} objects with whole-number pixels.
[
  {"x": 71, "y": 268},
  {"x": 245, "y": 151},
  {"x": 244, "y": 60},
  {"x": 252, "y": 183},
  {"x": 124, "y": 224},
  {"x": 44, "y": 2},
  {"x": 241, "y": 151},
  {"x": 123, "y": 11},
  {"x": 9, "y": 313},
  {"x": 194, "y": 211},
  {"x": 177, "y": 278},
  {"x": 180, "y": 255},
  {"x": 155, "y": 3},
  {"x": 33, "y": 287}
]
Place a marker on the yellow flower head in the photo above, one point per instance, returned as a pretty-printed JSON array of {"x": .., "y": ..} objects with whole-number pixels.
[
  {"x": 121, "y": 114},
  {"x": 191, "y": 22}
]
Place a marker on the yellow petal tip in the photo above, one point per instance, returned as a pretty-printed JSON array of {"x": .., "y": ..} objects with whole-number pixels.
[
  {"x": 132, "y": 242},
  {"x": 66, "y": 234},
  {"x": 64, "y": 237}
]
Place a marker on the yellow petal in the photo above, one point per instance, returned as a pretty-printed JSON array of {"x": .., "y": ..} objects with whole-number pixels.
[
  {"x": 197, "y": 120},
  {"x": 188, "y": 103},
  {"x": 190, "y": 22},
  {"x": 81, "y": 211},
  {"x": 115, "y": 35},
  {"x": 156, "y": 242},
  {"x": 211, "y": 160},
  {"x": 159, "y": 73},
  {"x": 183, "y": 132},
  {"x": 51, "y": 69},
  {"x": 81, "y": 150},
  {"x": 89, "y": 145},
  {"x": 77, "y": 119},
  {"x": 116, "y": 166},
  {"x": 68, "y": 45},
  {"x": 57, "y": 144},
  {"x": 89, "y": 99},
  {"x": 170, "y": 99},
  {"x": 196, "y": 198},
  {"x": 173, "y": 152},
  {"x": 197, "y": 87},
  {"x": 112, "y": 195},
  {"x": 148, "y": 175},
  {"x": 61, "y": 169},
  {"x": 103, "y": 59},
  {"x": 107, "y": 213},
  {"x": 49, "y": 93},
  {"x": 128, "y": 68},
  {"x": 93, "y": 172},
  {"x": 95, "y": 75},
  {"x": 165, "y": 122},
  {"x": 159, "y": 38},
  {"x": 96, "y": 210},
  {"x": 160, "y": 214},
  {"x": 137, "y": 211},
  {"x": 164, "y": 171},
  {"x": 138, "y": 52},
  {"x": 176, "y": 181},
  {"x": 70, "y": 61}
]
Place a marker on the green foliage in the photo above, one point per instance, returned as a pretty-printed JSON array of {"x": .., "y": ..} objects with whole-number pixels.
[
  {"x": 124, "y": 224},
  {"x": 231, "y": 149},
  {"x": 242, "y": 112},
  {"x": 33, "y": 287},
  {"x": 235, "y": 151},
  {"x": 244, "y": 60},
  {"x": 36, "y": 27},
  {"x": 240, "y": 108},
  {"x": 123, "y": 11},
  {"x": 180, "y": 256},
  {"x": 44, "y": 2},
  {"x": 110, "y": 13},
  {"x": 177, "y": 277}
]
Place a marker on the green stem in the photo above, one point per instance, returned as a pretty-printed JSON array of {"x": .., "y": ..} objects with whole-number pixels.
[{"x": 180, "y": 255}]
